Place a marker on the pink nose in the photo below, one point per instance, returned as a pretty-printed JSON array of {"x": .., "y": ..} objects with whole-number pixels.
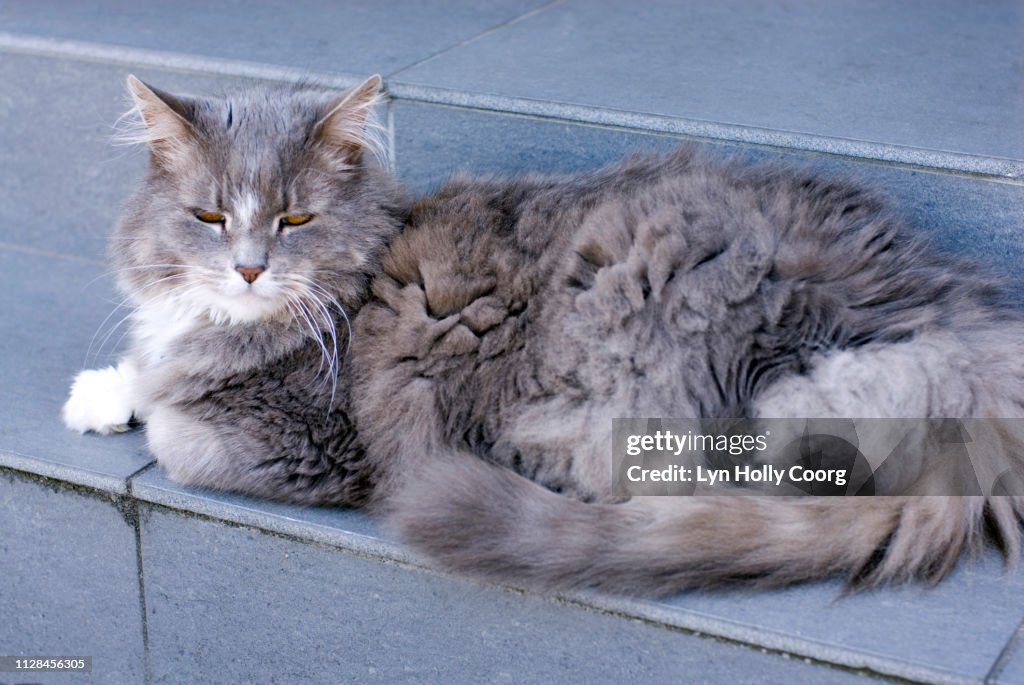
[{"x": 250, "y": 273}]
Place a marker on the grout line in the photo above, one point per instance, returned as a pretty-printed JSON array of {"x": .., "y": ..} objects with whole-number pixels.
[
  {"x": 1009, "y": 649},
  {"x": 511, "y": 22},
  {"x": 148, "y": 467},
  {"x": 147, "y": 657},
  {"x": 992, "y": 168},
  {"x": 392, "y": 150},
  {"x": 37, "y": 252},
  {"x": 130, "y": 488}
]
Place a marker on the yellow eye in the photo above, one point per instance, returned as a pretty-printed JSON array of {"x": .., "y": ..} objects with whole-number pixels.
[
  {"x": 210, "y": 217},
  {"x": 295, "y": 219}
]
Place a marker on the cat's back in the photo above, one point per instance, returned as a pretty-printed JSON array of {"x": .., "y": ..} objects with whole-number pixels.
[
  {"x": 513, "y": 230},
  {"x": 488, "y": 268},
  {"x": 487, "y": 249},
  {"x": 473, "y": 220}
]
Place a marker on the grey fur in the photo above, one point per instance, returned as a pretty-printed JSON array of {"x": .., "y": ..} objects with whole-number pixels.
[{"x": 500, "y": 324}]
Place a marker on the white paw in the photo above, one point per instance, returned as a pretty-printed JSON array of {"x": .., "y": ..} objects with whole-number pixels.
[{"x": 101, "y": 400}]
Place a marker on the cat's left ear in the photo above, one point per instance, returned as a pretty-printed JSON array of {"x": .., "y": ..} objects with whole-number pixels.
[{"x": 344, "y": 125}]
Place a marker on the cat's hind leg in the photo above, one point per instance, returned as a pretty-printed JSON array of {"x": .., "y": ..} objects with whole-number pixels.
[
  {"x": 928, "y": 376},
  {"x": 956, "y": 373}
]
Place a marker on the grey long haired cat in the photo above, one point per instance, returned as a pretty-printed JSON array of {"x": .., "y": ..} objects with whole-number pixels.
[{"x": 499, "y": 325}]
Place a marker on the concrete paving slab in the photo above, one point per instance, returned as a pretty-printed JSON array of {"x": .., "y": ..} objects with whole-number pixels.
[
  {"x": 953, "y": 632},
  {"x": 52, "y": 305},
  {"x": 922, "y": 75},
  {"x": 63, "y": 180},
  {"x": 350, "y": 37},
  {"x": 906, "y": 632},
  {"x": 237, "y": 605},
  {"x": 70, "y": 582}
]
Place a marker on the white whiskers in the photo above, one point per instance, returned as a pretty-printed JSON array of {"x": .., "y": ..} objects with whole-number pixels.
[
  {"x": 182, "y": 271},
  {"x": 311, "y": 305}
]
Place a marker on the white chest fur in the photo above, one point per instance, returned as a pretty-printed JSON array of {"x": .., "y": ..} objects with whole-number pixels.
[{"x": 156, "y": 326}]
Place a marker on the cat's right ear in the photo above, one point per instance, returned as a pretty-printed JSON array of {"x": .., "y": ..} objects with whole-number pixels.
[
  {"x": 167, "y": 118},
  {"x": 347, "y": 127}
]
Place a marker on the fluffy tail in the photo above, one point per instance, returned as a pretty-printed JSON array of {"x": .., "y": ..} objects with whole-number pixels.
[{"x": 475, "y": 518}]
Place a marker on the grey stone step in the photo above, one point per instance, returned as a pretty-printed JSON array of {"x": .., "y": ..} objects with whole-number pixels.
[
  {"x": 100, "y": 554},
  {"x": 935, "y": 84},
  {"x": 159, "y": 595}
]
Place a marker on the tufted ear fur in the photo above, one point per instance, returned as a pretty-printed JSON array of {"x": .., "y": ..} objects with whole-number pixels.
[
  {"x": 347, "y": 127},
  {"x": 167, "y": 119}
]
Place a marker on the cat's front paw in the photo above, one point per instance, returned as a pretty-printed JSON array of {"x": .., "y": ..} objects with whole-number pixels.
[{"x": 101, "y": 400}]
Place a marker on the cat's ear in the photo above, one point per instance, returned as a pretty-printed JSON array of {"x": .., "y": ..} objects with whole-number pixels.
[
  {"x": 167, "y": 118},
  {"x": 345, "y": 127}
]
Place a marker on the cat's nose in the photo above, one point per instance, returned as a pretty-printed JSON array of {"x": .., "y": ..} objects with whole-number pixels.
[{"x": 250, "y": 273}]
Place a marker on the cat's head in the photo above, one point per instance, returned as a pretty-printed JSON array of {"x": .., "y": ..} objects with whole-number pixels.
[{"x": 257, "y": 205}]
